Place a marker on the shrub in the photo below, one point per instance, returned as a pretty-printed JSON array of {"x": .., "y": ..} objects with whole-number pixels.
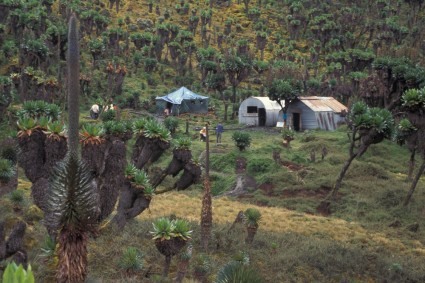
[
  {"x": 235, "y": 271},
  {"x": 16, "y": 196},
  {"x": 171, "y": 123},
  {"x": 7, "y": 170},
  {"x": 108, "y": 115},
  {"x": 131, "y": 259},
  {"x": 242, "y": 140},
  {"x": 258, "y": 166}
]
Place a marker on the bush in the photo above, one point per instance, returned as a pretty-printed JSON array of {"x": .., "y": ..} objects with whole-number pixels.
[
  {"x": 258, "y": 166},
  {"x": 242, "y": 140},
  {"x": 108, "y": 115},
  {"x": 131, "y": 259},
  {"x": 171, "y": 123}
]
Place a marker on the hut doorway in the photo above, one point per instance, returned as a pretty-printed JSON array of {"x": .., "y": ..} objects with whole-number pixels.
[
  {"x": 261, "y": 117},
  {"x": 296, "y": 121}
]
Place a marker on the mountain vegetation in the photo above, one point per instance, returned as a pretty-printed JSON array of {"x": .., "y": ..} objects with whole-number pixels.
[{"x": 107, "y": 199}]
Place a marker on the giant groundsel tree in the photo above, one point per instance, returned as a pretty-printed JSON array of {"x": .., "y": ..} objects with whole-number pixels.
[{"x": 366, "y": 126}]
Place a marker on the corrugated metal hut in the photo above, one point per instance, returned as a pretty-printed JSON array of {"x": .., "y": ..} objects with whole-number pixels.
[
  {"x": 259, "y": 111},
  {"x": 315, "y": 112}
]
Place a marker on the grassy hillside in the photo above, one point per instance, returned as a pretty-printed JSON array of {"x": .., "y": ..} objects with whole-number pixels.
[
  {"x": 354, "y": 243},
  {"x": 349, "y": 50}
]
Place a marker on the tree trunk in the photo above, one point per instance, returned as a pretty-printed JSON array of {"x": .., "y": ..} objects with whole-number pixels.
[
  {"x": 411, "y": 166},
  {"x": 341, "y": 176},
  {"x": 72, "y": 256},
  {"x": 32, "y": 155},
  {"x": 251, "y": 234},
  {"x": 132, "y": 202},
  {"x": 166, "y": 266},
  {"x": 206, "y": 215},
  {"x": 414, "y": 183}
]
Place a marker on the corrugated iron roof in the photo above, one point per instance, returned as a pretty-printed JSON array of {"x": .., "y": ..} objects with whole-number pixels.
[
  {"x": 268, "y": 104},
  {"x": 323, "y": 104}
]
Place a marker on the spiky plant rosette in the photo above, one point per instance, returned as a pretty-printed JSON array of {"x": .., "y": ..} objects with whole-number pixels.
[
  {"x": 183, "y": 143},
  {"x": 235, "y": 271},
  {"x": 413, "y": 99},
  {"x": 43, "y": 121},
  {"x": 252, "y": 217},
  {"x": 53, "y": 111},
  {"x": 163, "y": 229},
  {"x": 26, "y": 126},
  {"x": 91, "y": 134},
  {"x": 130, "y": 171},
  {"x": 182, "y": 229},
  {"x": 7, "y": 170},
  {"x": 72, "y": 198},
  {"x": 139, "y": 126},
  {"x": 55, "y": 130},
  {"x": 131, "y": 259},
  {"x": 155, "y": 130},
  {"x": 140, "y": 181},
  {"x": 403, "y": 130},
  {"x": 115, "y": 128}
]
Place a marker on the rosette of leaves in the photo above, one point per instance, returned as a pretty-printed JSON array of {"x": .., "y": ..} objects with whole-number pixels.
[
  {"x": 115, "y": 128},
  {"x": 414, "y": 99},
  {"x": 171, "y": 123},
  {"x": 91, "y": 134},
  {"x": 404, "y": 129},
  {"x": 236, "y": 271},
  {"x": 242, "y": 140},
  {"x": 140, "y": 180},
  {"x": 364, "y": 118},
  {"x": 131, "y": 259},
  {"x": 130, "y": 171},
  {"x": 139, "y": 126},
  {"x": 7, "y": 170},
  {"x": 183, "y": 143},
  {"x": 53, "y": 111},
  {"x": 30, "y": 109},
  {"x": 154, "y": 130},
  {"x": 163, "y": 229},
  {"x": 26, "y": 126},
  {"x": 43, "y": 121},
  {"x": 55, "y": 130}
]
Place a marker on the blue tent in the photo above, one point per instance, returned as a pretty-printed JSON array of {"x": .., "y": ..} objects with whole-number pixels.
[{"x": 183, "y": 100}]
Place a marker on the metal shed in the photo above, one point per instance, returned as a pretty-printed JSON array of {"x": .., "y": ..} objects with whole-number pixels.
[
  {"x": 259, "y": 111},
  {"x": 315, "y": 112}
]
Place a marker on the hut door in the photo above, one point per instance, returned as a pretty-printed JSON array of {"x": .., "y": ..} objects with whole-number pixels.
[
  {"x": 261, "y": 117},
  {"x": 296, "y": 121}
]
